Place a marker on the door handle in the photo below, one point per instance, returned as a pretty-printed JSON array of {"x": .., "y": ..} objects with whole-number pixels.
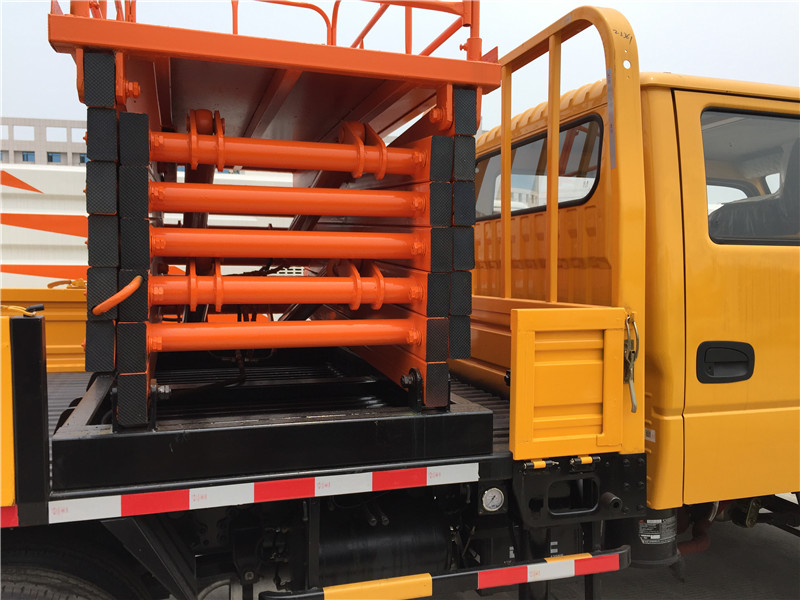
[{"x": 725, "y": 362}]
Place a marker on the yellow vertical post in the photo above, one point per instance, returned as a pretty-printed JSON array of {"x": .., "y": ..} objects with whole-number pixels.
[
  {"x": 8, "y": 483},
  {"x": 505, "y": 176},
  {"x": 553, "y": 120}
]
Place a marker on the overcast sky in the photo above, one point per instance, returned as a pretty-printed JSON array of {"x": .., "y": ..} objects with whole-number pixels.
[{"x": 754, "y": 41}]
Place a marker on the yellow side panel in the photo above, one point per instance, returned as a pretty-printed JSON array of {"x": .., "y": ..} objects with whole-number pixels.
[
  {"x": 65, "y": 323},
  {"x": 396, "y": 588},
  {"x": 8, "y": 483},
  {"x": 754, "y": 431},
  {"x": 567, "y": 385},
  {"x": 664, "y": 362}
]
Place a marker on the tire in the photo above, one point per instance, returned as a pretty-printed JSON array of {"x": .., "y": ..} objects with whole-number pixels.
[
  {"x": 56, "y": 571},
  {"x": 34, "y": 583}
]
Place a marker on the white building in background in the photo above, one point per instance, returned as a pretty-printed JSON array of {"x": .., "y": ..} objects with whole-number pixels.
[
  {"x": 43, "y": 206},
  {"x": 55, "y": 142}
]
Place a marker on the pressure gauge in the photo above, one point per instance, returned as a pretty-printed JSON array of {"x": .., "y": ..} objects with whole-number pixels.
[{"x": 493, "y": 499}]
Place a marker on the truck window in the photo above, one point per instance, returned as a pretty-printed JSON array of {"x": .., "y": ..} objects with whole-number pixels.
[
  {"x": 579, "y": 144},
  {"x": 752, "y": 167}
]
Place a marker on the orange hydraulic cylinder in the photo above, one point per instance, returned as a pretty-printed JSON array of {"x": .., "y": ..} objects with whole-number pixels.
[
  {"x": 217, "y": 291},
  {"x": 257, "y": 200},
  {"x": 282, "y": 154},
  {"x": 181, "y": 337},
  {"x": 245, "y": 243}
]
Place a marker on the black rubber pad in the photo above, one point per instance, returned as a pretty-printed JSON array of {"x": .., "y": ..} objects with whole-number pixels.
[
  {"x": 459, "y": 337},
  {"x": 465, "y": 111},
  {"x": 441, "y": 200},
  {"x": 101, "y": 187},
  {"x": 134, "y": 139},
  {"x": 134, "y": 244},
  {"x": 437, "y": 385},
  {"x": 464, "y": 158},
  {"x": 441, "y": 158},
  {"x": 441, "y": 249},
  {"x": 461, "y": 293},
  {"x": 101, "y": 134},
  {"x": 132, "y": 347},
  {"x": 438, "y": 295},
  {"x": 132, "y": 400},
  {"x": 99, "y": 80},
  {"x": 99, "y": 346},
  {"x": 103, "y": 241},
  {"x": 135, "y": 307},
  {"x": 436, "y": 337},
  {"x": 101, "y": 284},
  {"x": 464, "y": 203},
  {"x": 463, "y": 248},
  {"x": 133, "y": 188}
]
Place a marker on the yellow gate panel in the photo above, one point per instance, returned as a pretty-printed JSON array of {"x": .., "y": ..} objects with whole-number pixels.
[
  {"x": 8, "y": 481},
  {"x": 567, "y": 381},
  {"x": 65, "y": 323}
]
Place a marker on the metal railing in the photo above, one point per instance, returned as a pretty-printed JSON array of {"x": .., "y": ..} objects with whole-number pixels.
[{"x": 466, "y": 11}]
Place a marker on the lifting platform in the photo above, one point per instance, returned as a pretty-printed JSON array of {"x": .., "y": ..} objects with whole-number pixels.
[{"x": 196, "y": 342}]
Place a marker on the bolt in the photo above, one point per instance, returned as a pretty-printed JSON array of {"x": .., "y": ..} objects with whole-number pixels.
[
  {"x": 249, "y": 576},
  {"x": 417, "y": 248},
  {"x": 626, "y": 486},
  {"x": 413, "y": 337},
  {"x": 132, "y": 89},
  {"x": 436, "y": 114},
  {"x": 415, "y": 293},
  {"x": 406, "y": 380},
  {"x": 626, "y": 462}
]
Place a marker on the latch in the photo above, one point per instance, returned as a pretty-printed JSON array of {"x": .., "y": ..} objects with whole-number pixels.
[{"x": 631, "y": 353}]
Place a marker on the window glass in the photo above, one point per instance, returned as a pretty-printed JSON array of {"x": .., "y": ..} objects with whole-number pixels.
[
  {"x": 579, "y": 146},
  {"x": 82, "y": 158},
  {"x": 28, "y": 157},
  {"x": 752, "y": 164},
  {"x": 54, "y": 157}
]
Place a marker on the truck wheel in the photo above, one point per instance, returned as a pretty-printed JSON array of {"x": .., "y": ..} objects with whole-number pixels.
[
  {"x": 55, "y": 572},
  {"x": 33, "y": 583}
]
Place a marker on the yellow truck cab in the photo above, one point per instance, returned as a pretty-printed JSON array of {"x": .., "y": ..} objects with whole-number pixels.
[{"x": 721, "y": 269}]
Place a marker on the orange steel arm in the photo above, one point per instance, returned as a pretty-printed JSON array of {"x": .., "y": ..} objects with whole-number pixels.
[
  {"x": 246, "y": 243},
  {"x": 280, "y": 154},
  {"x": 218, "y": 291},
  {"x": 251, "y": 200},
  {"x": 170, "y": 337}
]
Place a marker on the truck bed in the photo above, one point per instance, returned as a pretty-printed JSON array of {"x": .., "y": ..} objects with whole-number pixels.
[{"x": 307, "y": 414}]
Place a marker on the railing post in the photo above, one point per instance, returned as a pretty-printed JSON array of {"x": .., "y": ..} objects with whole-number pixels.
[
  {"x": 505, "y": 176},
  {"x": 553, "y": 121}
]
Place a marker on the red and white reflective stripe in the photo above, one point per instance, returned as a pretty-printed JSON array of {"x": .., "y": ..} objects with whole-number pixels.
[
  {"x": 127, "y": 505},
  {"x": 9, "y": 516},
  {"x": 549, "y": 569}
]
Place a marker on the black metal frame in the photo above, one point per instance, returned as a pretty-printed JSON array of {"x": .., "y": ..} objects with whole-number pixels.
[
  {"x": 257, "y": 428},
  {"x": 29, "y": 398}
]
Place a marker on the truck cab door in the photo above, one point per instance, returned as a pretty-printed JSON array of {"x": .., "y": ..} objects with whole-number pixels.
[{"x": 740, "y": 164}]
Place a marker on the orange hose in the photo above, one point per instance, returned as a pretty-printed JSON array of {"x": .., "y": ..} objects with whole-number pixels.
[{"x": 121, "y": 295}]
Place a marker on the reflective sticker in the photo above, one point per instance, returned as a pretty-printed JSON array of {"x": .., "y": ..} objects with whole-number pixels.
[{"x": 79, "y": 509}]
